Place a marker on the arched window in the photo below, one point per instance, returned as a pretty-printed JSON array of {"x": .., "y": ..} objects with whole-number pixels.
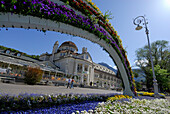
[
  {"x": 8, "y": 51},
  {"x": 18, "y": 54}
]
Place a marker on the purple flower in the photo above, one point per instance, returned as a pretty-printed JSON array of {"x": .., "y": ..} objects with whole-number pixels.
[
  {"x": 2, "y": 2},
  {"x": 15, "y": 7},
  {"x": 49, "y": 13},
  {"x": 24, "y": 2}
]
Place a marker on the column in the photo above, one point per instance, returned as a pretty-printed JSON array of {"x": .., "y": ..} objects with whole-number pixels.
[
  {"x": 49, "y": 75},
  {"x": 43, "y": 74},
  {"x": 92, "y": 73},
  {"x": 82, "y": 75},
  {"x": 66, "y": 67},
  {"x": 75, "y": 71},
  {"x": 55, "y": 75},
  {"x": 88, "y": 77}
]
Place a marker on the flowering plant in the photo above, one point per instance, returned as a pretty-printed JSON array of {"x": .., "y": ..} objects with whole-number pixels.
[
  {"x": 134, "y": 106},
  {"x": 149, "y": 94},
  {"x": 31, "y": 101},
  {"x": 118, "y": 97},
  {"x": 59, "y": 13}
]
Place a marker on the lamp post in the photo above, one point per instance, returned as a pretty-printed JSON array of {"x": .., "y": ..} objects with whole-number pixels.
[{"x": 137, "y": 21}]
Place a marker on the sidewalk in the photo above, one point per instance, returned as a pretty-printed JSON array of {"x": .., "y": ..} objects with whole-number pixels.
[{"x": 42, "y": 89}]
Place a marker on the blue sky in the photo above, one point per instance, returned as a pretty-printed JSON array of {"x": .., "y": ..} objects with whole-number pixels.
[{"x": 124, "y": 11}]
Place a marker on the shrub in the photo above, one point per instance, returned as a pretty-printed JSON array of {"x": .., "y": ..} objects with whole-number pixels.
[{"x": 33, "y": 75}]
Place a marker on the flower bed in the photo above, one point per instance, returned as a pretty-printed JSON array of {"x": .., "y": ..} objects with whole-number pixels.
[
  {"x": 31, "y": 101},
  {"x": 150, "y": 94},
  {"x": 132, "y": 106},
  {"x": 61, "y": 109},
  {"x": 81, "y": 103},
  {"x": 118, "y": 97}
]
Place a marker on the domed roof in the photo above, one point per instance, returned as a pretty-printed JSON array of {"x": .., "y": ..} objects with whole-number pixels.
[{"x": 69, "y": 43}]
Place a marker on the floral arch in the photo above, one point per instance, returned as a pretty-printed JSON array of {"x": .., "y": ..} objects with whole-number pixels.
[{"x": 75, "y": 17}]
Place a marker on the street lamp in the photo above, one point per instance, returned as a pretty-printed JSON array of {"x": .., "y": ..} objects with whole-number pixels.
[{"x": 137, "y": 21}]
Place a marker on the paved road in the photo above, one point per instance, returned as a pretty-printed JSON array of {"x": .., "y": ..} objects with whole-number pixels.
[{"x": 41, "y": 89}]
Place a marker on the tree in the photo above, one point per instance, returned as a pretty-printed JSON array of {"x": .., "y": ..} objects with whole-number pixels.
[
  {"x": 161, "y": 56},
  {"x": 162, "y": 77},
  {"x": 33, "y": 75},
  {"x": 138, "y": 85}
]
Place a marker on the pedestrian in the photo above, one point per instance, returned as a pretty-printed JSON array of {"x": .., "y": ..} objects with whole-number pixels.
[
  {"x": 72, "y": 82},
  {"x": 68, "y": 83}
]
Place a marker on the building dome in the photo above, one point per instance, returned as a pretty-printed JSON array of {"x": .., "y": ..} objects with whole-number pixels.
[{"x": 70, "y": 44}]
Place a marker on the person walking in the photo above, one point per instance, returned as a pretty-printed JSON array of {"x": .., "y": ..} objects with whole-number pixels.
[
  {"x": 68, "y": 83},
  {"x": 72, "y": 82}
]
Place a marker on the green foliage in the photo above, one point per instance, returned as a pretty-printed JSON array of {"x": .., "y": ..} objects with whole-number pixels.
[
  {"x": 135, "y": 74},
  {"x": 161, "y": 56},
  {"x": 107, "y": 15},
  {"x": 138, "y": 85},
  {"x": 16, "y": 51},
  {"x": 33, "y": 75},
  {"x": 162, "y": 77}
]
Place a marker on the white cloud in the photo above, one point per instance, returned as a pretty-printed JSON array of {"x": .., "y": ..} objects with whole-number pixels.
[
  {"x": 115, "y": 67},
  {"x": 143, "y": 62}
]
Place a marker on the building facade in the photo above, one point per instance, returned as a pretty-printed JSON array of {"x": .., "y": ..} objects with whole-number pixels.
[
  {"x": 62, "y": 63},
  {"x": 81, "y": 66}
]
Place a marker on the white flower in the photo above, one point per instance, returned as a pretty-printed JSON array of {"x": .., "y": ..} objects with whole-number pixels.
[
  {"x": 77, "y": 112},
  {"x": 158, "y": 106},
  {"x": 41, "y": 97},
  {"x": 49, "y": 96},
  {"x": 90, "y": 111},
  {"x": 82, "y": 112}
]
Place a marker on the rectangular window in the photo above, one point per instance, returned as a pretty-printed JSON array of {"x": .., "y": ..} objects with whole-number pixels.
[
  {"x": 86, "y": 68},
  {"x": 96, "y": 75},
  {"x": 87, "y": 56},
  {"x": 79, "y": 67}
]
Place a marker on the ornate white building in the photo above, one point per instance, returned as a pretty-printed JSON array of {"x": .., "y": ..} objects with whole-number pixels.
[{"x": 81, "y": 66}]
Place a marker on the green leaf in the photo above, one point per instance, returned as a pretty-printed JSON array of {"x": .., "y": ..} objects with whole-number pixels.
[
  {"x": 11, "y": 9},
  {"x": 14, "y": 1},
  {"x": 2, "y": 5}
]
